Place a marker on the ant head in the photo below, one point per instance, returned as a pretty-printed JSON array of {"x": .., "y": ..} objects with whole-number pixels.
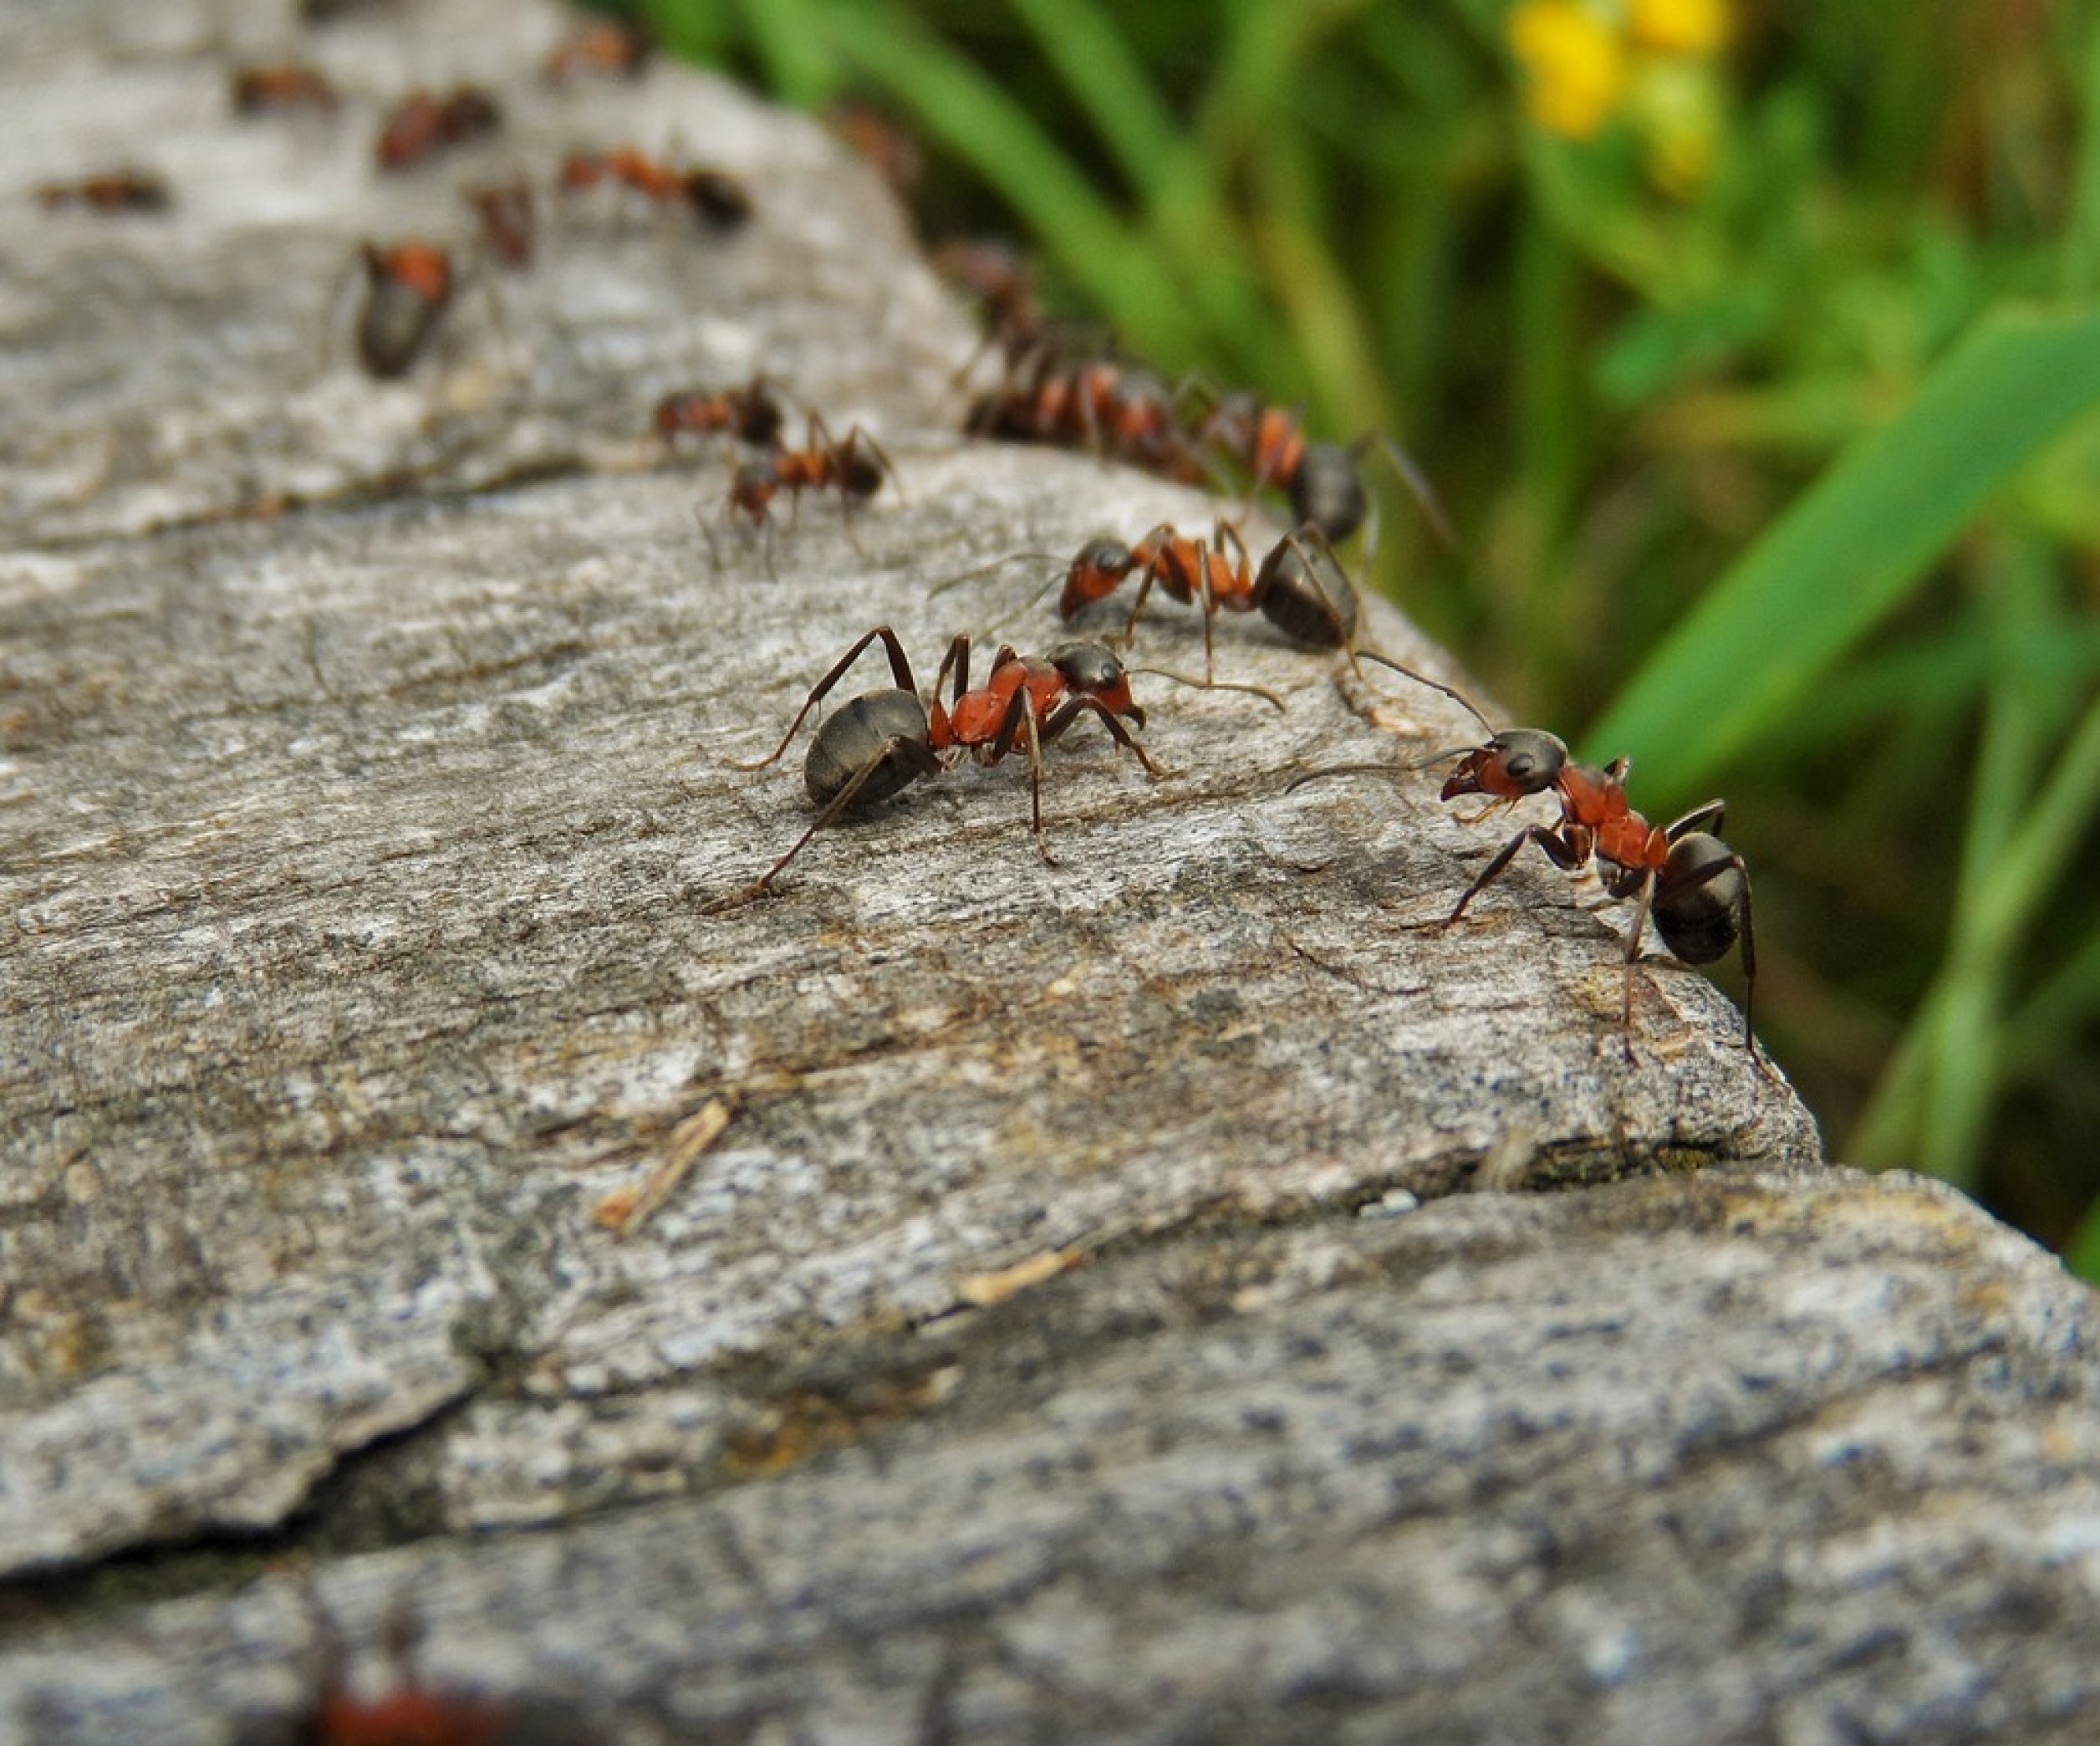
[
  {"x": 1516, "y": 763},
  {"x": 1093, "y": 672},
  {"x": 1095, "y": 573}
]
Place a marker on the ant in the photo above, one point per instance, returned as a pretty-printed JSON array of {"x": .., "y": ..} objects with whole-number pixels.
[
  {"x": 606, "y": 48},
  {"x": 882, "y": 741},
  {"x": 115, "y": 191},
  {"x": 717, "y": 199},
  {"x": 1121, "y": 409},
  {"x": 1300, "y": 586},
  {"x": 1693, "y": 885},
  {"x": 408, "y": 287},
  {"x": 1320, "y": 479},
  {"x": 854, "y": 466},
  {"x": 423, "y": 124},
  {"x": 751, "y": 414},
  {"x": 506, "y": 211},
  {"x": 273, "y": 90},
  {"x": 411, "y": 1715}
]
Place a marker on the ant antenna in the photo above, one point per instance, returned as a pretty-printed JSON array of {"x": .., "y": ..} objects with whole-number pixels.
[
  {"x": 1458, "y": 697},
  {"x": 1194, "y": 684}
]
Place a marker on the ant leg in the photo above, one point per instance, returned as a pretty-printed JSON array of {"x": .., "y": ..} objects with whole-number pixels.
[
  {"x": 899, "y": 670},
  {"x": 841, "y": 802},
  {"x": 1708, "y": 817},
  {"x": 1019, "y": 723},
  {"x": 1641, "y": 908},
  {"x": 1557, "y": 848},
  {"x": 1073, "y": 708},
  {"x": 1418, "y": 484}
]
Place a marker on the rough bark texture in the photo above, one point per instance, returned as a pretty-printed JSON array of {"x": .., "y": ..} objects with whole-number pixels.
[{"x": 1060, "y": 1319}]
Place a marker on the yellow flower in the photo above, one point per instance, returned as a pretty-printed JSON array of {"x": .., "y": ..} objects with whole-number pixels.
[
  {"x": 1576, "y": 64},
  {"x": 1679, "y": 27}
]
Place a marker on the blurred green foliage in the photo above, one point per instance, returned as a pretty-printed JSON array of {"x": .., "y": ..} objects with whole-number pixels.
[{"x": 1757, "y": 373}]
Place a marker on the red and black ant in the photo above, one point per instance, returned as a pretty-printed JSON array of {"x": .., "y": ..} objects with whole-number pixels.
[
  {"x": 882, "y": 741},
  {"x": 1300, "y": 586},
  {"x": 716, "y": 198},
  {"x": 408, "y": 287},
  {"x": 853, "y": 466},
  {"x": 1693, "y": 885},
  {"x": 276, "y": 90},
  {"x": 1320, "y": 479},
  {"x": 602, "y": 48},
  {"x": 1115, "y": 409},
  {"x": 508, "y": 219},
  {"x": 114, "y": 191},
  {"x": 751, "y": 414},
  {"x": 422, "y": 124},
  {"x": 412, "y": 1713}
]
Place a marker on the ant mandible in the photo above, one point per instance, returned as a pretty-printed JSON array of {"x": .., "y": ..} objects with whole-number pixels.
[
  {"x": 882, "y": 741},
  {"x": 1693, "y": 885}
]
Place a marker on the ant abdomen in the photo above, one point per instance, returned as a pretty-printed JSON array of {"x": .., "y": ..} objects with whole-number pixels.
[
  {"x": 856, "y": 736},
  {"x": 1304, "y": 594},
  {"x": 1700, "y": 898}
]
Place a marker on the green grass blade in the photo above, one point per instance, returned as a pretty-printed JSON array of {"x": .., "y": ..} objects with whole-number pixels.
[
  {"x": 964, "y": 108},
  {"x": 1849, "y": 551},
  {"x": 1107, "y": 85}
]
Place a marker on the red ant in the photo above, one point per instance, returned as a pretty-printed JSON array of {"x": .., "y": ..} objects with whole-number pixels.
[
  {"x": 882, "y": 741},
  {"x": 270, "y": 90},
  {"x": 1320, "y": 479},
  {"x": 412, "y": 1713},
  {"x": 1003, "y": 282},
  {"x": 1694, "y": 885},
  {"x": 854, "y": 466},
  {"x": 1113, "y": 408},
  {"x": 607, "y": 47},
  {"x": 1300, "y": 586},
  {"x": 751, "y": 414},
  {"x": 408, "y": 287},
  {"x": 115, "y": 191},
  {"x": 717, "y": 199},
  {"x": 423, "y": 124},
  {"x": 506, "y": 211}
]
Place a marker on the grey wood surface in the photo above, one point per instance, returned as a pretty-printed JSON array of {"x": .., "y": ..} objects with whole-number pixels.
[{"x": 1102, "y": 1299}]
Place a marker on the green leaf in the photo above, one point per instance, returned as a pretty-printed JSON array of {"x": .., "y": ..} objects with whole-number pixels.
[{"x": 1851, "y": 550}]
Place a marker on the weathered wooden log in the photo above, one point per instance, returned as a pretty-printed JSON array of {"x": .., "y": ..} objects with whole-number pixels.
[{"x": 953, "y": 1296}]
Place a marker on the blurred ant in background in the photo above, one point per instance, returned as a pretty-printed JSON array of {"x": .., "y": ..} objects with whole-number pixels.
[
  {"x": 853, "y": 466},
  {"x": 412, "y": 1713},
  {"x": 282, "y": 90},
  {"x": 508, "y": 219},
  {"x": 714, "y": 197},
  {"x": 408, "y": 286},
  {"x": 112, "y": 191},
  {"x": 599, "y": 47},
  {"x": 751, "y": 414},
  {"x": 422, "y": 124}
]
